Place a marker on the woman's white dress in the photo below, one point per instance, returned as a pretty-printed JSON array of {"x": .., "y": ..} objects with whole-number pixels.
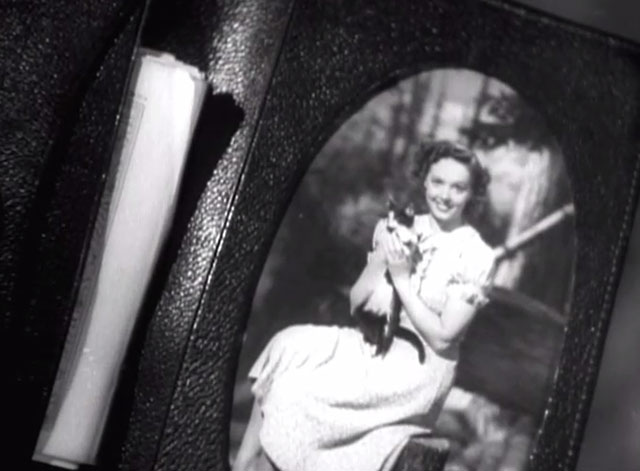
[{"x": 329, "y": 404}]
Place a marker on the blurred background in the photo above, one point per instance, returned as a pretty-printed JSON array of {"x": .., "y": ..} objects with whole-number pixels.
[
  {"x": 510, "y": 351},
  {"x": 612, "y": 437}
]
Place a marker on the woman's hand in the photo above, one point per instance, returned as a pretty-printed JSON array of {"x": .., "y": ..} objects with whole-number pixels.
[{"x": 397, "y": 255}]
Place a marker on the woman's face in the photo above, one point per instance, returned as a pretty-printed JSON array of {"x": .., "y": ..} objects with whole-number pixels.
[{"x": 448, "y": 190}]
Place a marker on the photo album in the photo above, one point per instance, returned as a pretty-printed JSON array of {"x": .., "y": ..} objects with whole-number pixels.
[{"x": 332, "y": 236}]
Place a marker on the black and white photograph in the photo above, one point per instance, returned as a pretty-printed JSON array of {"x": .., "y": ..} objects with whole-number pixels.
[{"x": 414, "y": 299}]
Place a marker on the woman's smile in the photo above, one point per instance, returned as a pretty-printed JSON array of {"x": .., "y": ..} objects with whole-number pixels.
[
  {"x": 448, "y": 190},
  {"x": 442, "y": 206}
]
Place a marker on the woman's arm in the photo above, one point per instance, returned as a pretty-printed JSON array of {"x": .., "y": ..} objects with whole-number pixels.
[
  {"x": 373, "y": 271},
  {"x": 364, "y": 286},
  {"x": 439, "y": 331}
]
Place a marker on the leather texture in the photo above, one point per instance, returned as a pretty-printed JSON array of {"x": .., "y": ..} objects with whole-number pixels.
[
  {"x": 64, "y": 68},
  {"x": 237, "y": 44},
  {"x": 284, "y": 77},
  {"x": 335, "y": 56}
]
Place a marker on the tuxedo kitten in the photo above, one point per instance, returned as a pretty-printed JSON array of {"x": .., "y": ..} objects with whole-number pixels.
[{"x": 378, "y": 317}]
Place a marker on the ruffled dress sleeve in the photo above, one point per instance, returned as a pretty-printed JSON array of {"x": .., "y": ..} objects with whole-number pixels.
[{"x": 472, "y": 280}]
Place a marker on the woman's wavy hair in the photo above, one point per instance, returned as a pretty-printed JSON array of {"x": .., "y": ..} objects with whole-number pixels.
[{"x": 431, "y": 152}]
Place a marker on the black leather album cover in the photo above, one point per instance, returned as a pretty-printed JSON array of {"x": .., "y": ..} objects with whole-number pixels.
[
  {"x": 64, "y": 72},
  {"x": 362, "y": 94},
  {"x": 397, "y": 246}
]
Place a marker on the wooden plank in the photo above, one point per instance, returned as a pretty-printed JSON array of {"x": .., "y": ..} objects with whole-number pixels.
[{"x": 511, "y": 350}]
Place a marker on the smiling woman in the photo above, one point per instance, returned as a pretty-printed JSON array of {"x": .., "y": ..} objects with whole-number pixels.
[
  {"x": 377, "y": 302},
  {"x": 455, "y": 183},
  {"x": 324, "y": 400},
  {"x": 447, "y": 189}
]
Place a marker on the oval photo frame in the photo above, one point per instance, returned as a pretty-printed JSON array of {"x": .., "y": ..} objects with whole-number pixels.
[{"x": 508, "y": 351}]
